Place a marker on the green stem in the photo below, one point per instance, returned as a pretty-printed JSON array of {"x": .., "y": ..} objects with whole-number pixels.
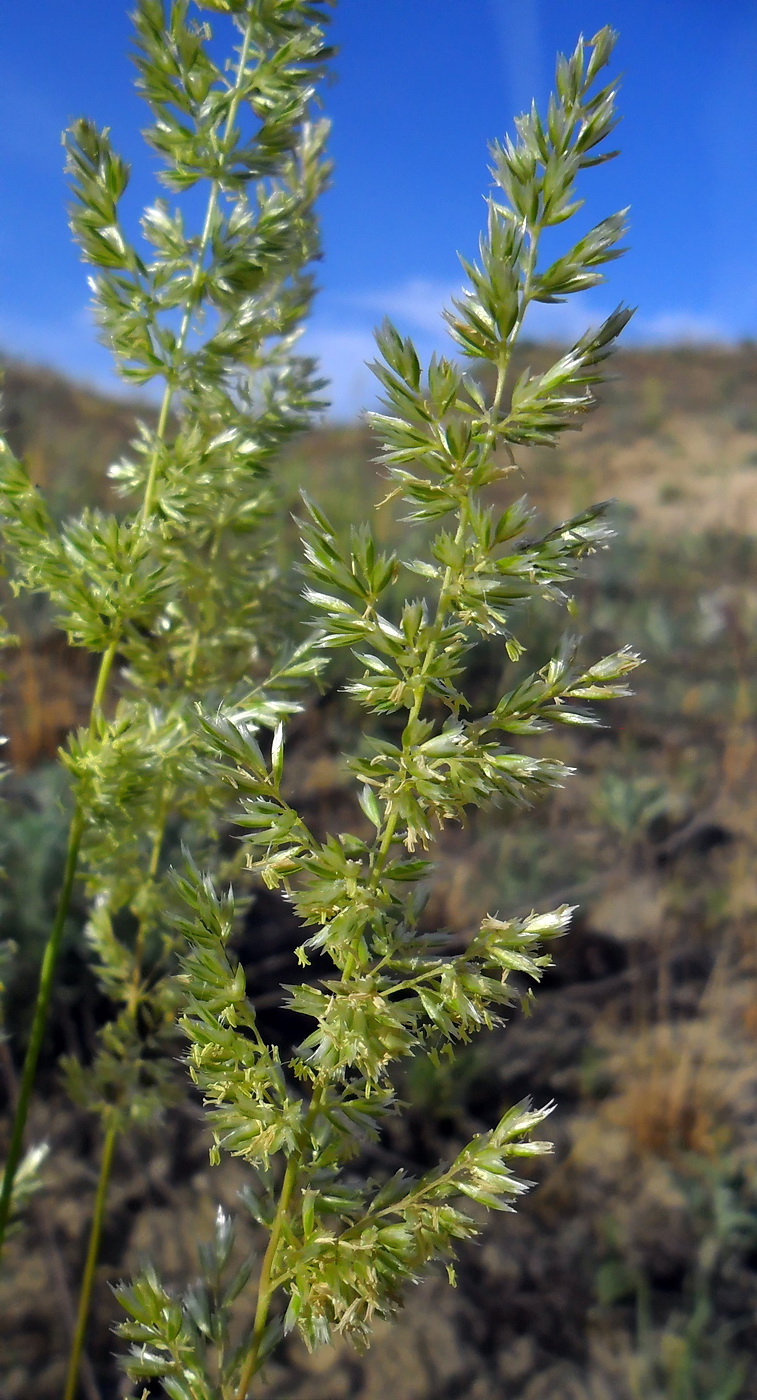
[
  {"x": 46, "y": 981},
  {"x": 160, "y": 433},
  {"x": 195, "y": 283},
  {"x": 49, "y": 963},
  {"x": 396, "y": 1208},
  {"x": 268, "y": 1283},
  {"x": 106, "y": 665},
  {"x": 111, "y": 1137},
  {"x": 266, "y": 1286},
  {"x": 186, "y": 321},
  {"x": 390, "y": 832},
  {"x": 386, "y": 846},
  {"x": 93, "y": 1250},
  {"x": 526, "y": 296}
]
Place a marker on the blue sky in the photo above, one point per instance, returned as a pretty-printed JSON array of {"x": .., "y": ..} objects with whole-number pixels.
[{"x": 421, "y": 87}]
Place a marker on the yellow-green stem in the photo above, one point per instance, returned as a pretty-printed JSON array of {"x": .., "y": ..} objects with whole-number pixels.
[
  {"x": 46, "y": 981},
  {"x": 93, "y": 1249},
  {"x": 101, "y": 685},
  {"x": 386, "y": 843},
  {"x": 266, "y": 1287},
  {"x": 152, "y": 475}
]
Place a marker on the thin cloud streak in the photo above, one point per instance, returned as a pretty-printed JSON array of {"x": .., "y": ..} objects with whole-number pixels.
[
  {"x": 419, "y": 302},
  {"x": 517, "y": 26}
]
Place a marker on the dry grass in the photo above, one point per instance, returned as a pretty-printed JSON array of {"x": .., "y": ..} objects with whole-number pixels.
[{"x": 46, "y": 693}]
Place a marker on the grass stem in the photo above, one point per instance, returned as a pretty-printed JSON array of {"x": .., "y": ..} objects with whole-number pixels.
[
  {"x": 266, "y": 1284},
  {"x": 47, "y": 973},
  {"x": 93, "y": 1250},
  {"x": 39, "y": 1022}
]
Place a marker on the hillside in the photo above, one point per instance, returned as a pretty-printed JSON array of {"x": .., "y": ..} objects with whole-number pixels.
[
  {"x": 632, "y": 1271},
  {"x": 674, "y": 408}
]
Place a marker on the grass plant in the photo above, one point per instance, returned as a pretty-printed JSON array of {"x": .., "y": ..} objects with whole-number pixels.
[{"x": 177, "y": 599}]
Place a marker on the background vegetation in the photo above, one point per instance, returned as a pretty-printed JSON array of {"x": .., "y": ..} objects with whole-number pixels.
[{"x": 632, "y": 1271}]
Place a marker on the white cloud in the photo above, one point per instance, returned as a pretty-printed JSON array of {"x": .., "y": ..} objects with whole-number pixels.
[
  {"x": 518, "y": 34},
  {"x": 416, "y": 306},
  {"x": 342, "y": 356},
  {"x": 680, "y": 328},
  {"x": 66, "y": 344},
  {"x": 563, "y": 322},
  {"x": 343, "y": 349},
  {"x": 418, "y": 303}
]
